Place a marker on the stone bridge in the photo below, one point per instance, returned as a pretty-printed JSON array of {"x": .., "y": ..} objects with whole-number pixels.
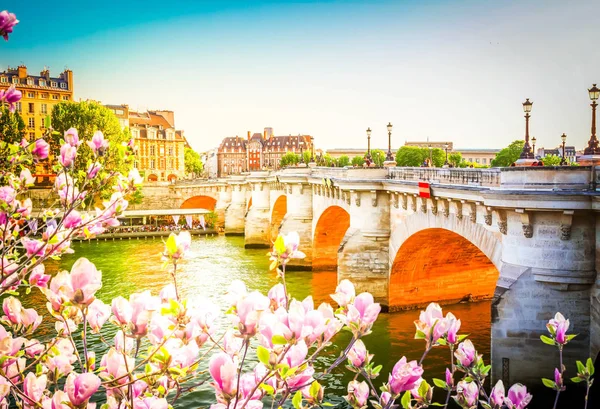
[{"x": 525, "y": 237}]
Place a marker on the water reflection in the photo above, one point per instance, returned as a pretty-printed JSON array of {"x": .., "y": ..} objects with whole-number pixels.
[{"x": 134, "y": 265}]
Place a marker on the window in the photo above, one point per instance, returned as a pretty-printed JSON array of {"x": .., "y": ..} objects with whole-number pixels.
[
  {"x": 119, "y": 112},
  {"x": 29, "y": 81},
  {"x": 43, "y": 125},
  {"x": 151, "y": 134},
  {"x": 42, "y": 83},
  {"x": 4, "y": 79},
  {"x": 65, "y": 97},
  {"x": 44, "y": 96},
  {"x": 152, "y": 151},
  {"x": 476, "y": 160},
  {"x": 171, "y": 151},
  {"x": 31, "y": 108},
  {"x": 135, "y": 164},
  {"x": 15, "y": 80},
  {"x": 18, "y": 107},
  {"x": 44, "y": 108},
  {"x": 30, "y": 95},
  {"x": 54, "y": 96},
  {"x": 135, "y": 133},
  {"x": 152, "y": 164},
  {"x": 54, "y": 84},
  {"x": 32, "y": 122},
  {"x": 484, "y": 161},
  {"x": 31, "y": 136},
  {"x": 63, "y": 85},
  {"x": 172, "y": 163}
]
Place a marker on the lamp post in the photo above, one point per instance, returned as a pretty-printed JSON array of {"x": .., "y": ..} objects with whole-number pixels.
[
  {"x": 533, "y": 141},
  {"x": 430, "y": 155},
  {"x": 389, "y": 157},
  {"x": 369, "y": 143},
  {"x": 446, "y": 149},
  {"x": 592, "y": 148},
  {"x": 563, "y": 161},
  {"x": 526, "y": 153}
]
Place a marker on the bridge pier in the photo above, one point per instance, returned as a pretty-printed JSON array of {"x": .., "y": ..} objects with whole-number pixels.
[
  {"x": 223, "y": 202},
  {"x": 236, "y": 211},
  {"x": 546, "y": 273},
  {"x": 299, "y": 219},
  {"x": 363, "y": 256},
  {"x": 257, "y": 226}
]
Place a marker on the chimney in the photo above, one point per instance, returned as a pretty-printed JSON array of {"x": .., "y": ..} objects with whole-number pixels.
[
  {"x": 248, "y": 135},
  {"x": 45, "y": 73},
  {"x": 22, "y": 71}
]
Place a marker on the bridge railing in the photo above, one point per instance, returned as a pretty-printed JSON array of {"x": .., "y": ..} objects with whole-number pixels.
[{"x": 449, "y": 176}]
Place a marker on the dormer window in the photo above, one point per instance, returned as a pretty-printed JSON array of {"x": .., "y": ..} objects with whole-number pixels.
[
  {"x": 4, "y": 79},
  {"x": 15, "y": 80},
  {"x": 63, "y": 85},
  {"x": 54, "y": 84},
  {"x": 42, "y": 83},
  {"x": 29, "y": 81}
]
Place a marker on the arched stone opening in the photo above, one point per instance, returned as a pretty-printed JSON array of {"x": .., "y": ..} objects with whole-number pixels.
[
  {"x": 438, "y": 265},
  {"x": 329, "y": 232},
  {"x": 152, "y": 178},
  {"x": 199, "y": 202},
  {"x": 277, "y": 215},
  {"x": 172, "y": 177}
]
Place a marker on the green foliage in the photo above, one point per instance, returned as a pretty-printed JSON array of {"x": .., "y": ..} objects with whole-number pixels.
[
  {"x": 290, "y": 158},
  {"x": 415, "y": 156},
  {"x": 358, "y": 161},
  {"x": 211, "y": 219},
  {"x": 12, "y": 126},
  {"x": 551, "y": 160},
  {"x": 136, "y": 197},
  {"x": 455, "y": 159},
  {"x": 508, "y": 155},
  {"x": 306, "y": 156},
  {"x": 88, "y": 117},
  {"x": 378, "y": 157},
  {"x": 193, "y": 163},
  {"x": 343, "y": 161}
]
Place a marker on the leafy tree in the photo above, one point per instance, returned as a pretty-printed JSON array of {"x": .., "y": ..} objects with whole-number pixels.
[
  {"x": 193, "y": 163},
  {"x": 455, "y": 159},
  {"x": 415, "y": 156},
  {"x": 12, "y": 126},
  {"x": 328, "y": 160},
  {"x": 358, "y": 161},
  {"x": 508, "y": 155},
  {"x": 306, "y": 156},
  {"x": 378, "y": 157},
  {"x": 290, "y": 158},
  {"x": 551, "y": 160},
  {"x": 343, "y": 161},
  {"x": 88, "y": 117}
]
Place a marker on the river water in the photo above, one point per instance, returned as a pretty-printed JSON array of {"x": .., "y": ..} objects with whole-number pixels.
[{"x": 135, "y": 265}]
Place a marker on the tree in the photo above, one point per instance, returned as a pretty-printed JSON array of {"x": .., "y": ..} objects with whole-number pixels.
[
  {"x": 193, "y": 163},
  {"x": 415, "y": 156},
  {"x": 290, "y": 158},
  {"x": 358, "y": 161},
  {"x": 455, "y": 159},
  {"x": 88, "y": 117},
  {"x": 306, "y": 155},
  {"x": 378, "y": 157},
  {"x": 508, "y": 155},
  {"x": 551, "y": 160},
  {"x": 12, "y": 126},
  {"x": 343, "y": 161}
]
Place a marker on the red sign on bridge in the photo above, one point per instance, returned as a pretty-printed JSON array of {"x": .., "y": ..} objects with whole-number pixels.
[{"x": 424, "y": 190}]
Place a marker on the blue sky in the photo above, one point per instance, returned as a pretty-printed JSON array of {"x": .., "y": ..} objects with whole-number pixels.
[{"x": 447, "y": 70}]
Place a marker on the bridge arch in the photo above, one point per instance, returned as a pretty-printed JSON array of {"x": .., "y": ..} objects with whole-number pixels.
[
  {"x": 200, "y": 202},
  {"x": 445, "y": 260},
  {"x": 277, "y": 214},
  {"x": 328, "y": 234}
]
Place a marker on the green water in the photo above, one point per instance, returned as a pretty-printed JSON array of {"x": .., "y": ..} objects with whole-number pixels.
[{"x": 134, "y": 265}]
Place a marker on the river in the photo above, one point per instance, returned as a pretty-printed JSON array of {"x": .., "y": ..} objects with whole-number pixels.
[{"x": 213, "y": 262}]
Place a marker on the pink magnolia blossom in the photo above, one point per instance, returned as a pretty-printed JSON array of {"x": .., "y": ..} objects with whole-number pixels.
[
  {"x": 558, "y": 327},
  {"x": 85, "y": 281},
  {"x": 7, "y": 23},
  {"x": 81, "y": 387},
  {"x": 292, "y": 243},
  {"x": 8, "y": 195},
  {"x": 11, "y": 96},
  {"x": 223, "y": 371},
  {"x": 98, "y": 144},
  {"x": 517, "y": 398},
  {"x": 449, "y": 378},
  {"x": 178, "y": 244},
  {"x": 404, "y": 376},
  {"x": 28, "y": 318},
  {"x": 122, "y": 310},
  {"x": 358, "y": 354},
  {"x": 428, "y": 322},
  {"x": 115, "y": 365},
  {"x": 453, "y": 326},
  {"x": 93, "y": 170},
  {"x": 249, "y": 310},
  {"x": 232, "y": 344},
  {"x": 41, "y": 149},
  {"x": 277, "y": 296},
  {"x": 466, "y": 353},
  {"x": 97, "y": 315},
  {"x": 134, "y": 177},
  {"x": 72, "y": 137},
  {"x": 362, "y": 313},
  {"x": 296, "y": 355},
  {"x": 150, "y": 402},
  {"x": 34, "y": 386},
  {"x": 33, "y": 247},
  {"x": 358, "y": 394},
  {"x": 344, "y": 293},
  {"x": 13, "y": 369},
  {"x": 72, "y": 220},
  {"x": 26, "y": 178},
  {"x": 25, "y": 207},
  {"x": 57, "y": 401},
  {"x": 497, "y": 395},
  {"x": 558, "y": 380},
  {"x": 236, "y": 292},
  {"x": 33, "y": 348},
  {"x": 467, "y": 394},
  {"x": 67, "y": 155}
]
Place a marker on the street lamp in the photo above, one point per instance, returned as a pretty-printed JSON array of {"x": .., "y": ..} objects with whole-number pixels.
[
  {"x": 563, "y": 161},
  {"x": 526, "y": 153},
  {"x": 533, "y": 141},
  {"x": 369, "y": 143},
  {"x": 592, "y": 148},
  {"x": 389, "y": 156},
  {"x": 446, "y": 149},
  {"x": 430, "y": 155}
]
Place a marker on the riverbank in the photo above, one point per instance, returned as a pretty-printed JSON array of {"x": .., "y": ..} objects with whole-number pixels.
[{"x": 145, "y": 235}]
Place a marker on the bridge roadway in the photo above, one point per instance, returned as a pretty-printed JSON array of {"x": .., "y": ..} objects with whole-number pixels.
[{"x": 528, "y": 238}]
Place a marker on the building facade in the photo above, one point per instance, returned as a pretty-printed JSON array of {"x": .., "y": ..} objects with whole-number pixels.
[
  {"x": 159, "y": 147},
  {"x": 39, "y": 94},
  {"x": 479, "y": 156},
  {"x": 258, "y": 151},
  {"x": 122, "y": 113},
  {"x": 427, "y": 144},
  {"x": 570, "y": 153},
  {"x": 336, "y": 153}
]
